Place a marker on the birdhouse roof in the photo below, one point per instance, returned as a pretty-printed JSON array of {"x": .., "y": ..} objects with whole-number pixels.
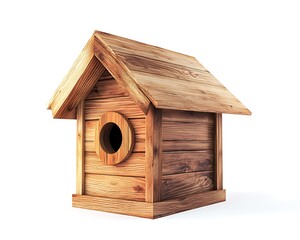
[{"x": 150, "y": 74}]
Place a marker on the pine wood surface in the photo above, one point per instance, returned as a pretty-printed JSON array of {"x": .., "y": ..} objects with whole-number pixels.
[
  {"x": 133, "y": 166},
  {"x": 218, "y": 153},
  {"x": 153, "y": 154},
  {"x": 80, "y": 160},
  {"x": 178, "y": 145},
  {"x": 138, "y": 147},
  {"x": 130, "y": 188},
  {"x": 172, "y": 80},
  {"x": 120, "y": 72},
  {"x": 148, "y": 210},
  {"x": 179, "y": 185},
  {"x": 187, "y": 161}
]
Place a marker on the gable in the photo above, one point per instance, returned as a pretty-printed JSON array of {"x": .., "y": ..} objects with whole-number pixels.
[{"x": 149, "y": 74}]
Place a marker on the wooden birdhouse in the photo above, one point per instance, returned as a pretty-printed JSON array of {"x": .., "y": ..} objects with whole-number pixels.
[{"x": 149, "y": 128}]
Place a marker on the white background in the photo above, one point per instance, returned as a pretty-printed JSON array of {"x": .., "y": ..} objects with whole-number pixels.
[{"x": 252, "y": 47}]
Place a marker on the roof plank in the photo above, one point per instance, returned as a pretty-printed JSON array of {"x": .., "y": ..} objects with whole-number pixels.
[
  {"x": 120, "y": 73},
  {"x": 77, "y": 84}
]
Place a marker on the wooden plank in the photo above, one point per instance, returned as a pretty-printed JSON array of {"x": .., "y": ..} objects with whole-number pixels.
[
  {"x": 187, "y": 161},
  {"x": 171, "y": 93},
  {"x": 120, "y": 72},
  {"x": 177, "y": 145},
  {"x": 130, "y": 188},
  {"x": 76, "y": 85},
  {"x": 188, "y": 131},
  {"x": 172, "y": 206},
  {"x": 153, "y": 152},
  {"x": 179, "y": 185},
  {"x": 95, "y": 108},
  {"x": 137, "y": 123},
  {"x": 148, "y": 210},
  {"x": 132, "y": 208},
  {"x": 125, "y": 45},
  {"x": 158, "y": 68},
  {"x": 187, "y": 116},
  {"x": 133, "y": 166},
  {"x": 138, "y": 147},
  {"x": 106, "y": 89},
  {"x": 218, "y": 154},
  {"x": 80, "y": 149}
]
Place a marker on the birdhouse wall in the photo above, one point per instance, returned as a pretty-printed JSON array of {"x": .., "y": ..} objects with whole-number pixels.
[
  {"x": 125, "y": 180},
  {"x": 188, "y": 157}
]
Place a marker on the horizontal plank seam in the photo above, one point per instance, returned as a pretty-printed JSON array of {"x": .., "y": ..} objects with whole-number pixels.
[
  {"x": 132, "y": 152},
  {"x": 131, "y": 200},
  {"x": 140, "y": 118},
  {"x": 87, "y": 100},
  {"x": 112, "y": 175},
  {"x": 173, "y": 174}
]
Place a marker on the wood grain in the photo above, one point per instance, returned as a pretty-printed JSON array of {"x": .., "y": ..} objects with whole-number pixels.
[
  {"x": 177, "y": 145},
  {"x": 187, "y": 161},
  {"x": 95, "y": 108},
  {"x": 137, "y": 123},
  {"x": 153, "y": 152},
  {"x": 125, "y": 45},
  {"x": 177, "y": 205},
  {"x": 76, "y": 85},
  {"x": 148, "y": 210},
  {"x": 188, "y": 131},
  {"x": 80, "y": 149},
  {"x": 120, "y": 72},
  {"x": 103, "y": 145},
  {"x": 107, "y": 89},
  {"x": 218, "y": 154},
  {"x": 179, "y": 185},
  {"x": 133, "y": 166},
  {"x": 132, "y": 208},
  {"x": 138, "y": 147},
  {"x": 170, "y": 93},
  {"x": 187, "y": 117},
  {"x": 130, "y": 188}
]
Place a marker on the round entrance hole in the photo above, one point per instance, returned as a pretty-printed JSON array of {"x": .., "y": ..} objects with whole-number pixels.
[{"x": 110, "y": 137}]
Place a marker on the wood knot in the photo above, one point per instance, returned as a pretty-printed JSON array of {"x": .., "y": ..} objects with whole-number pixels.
[{"x": 138, "y": 189}]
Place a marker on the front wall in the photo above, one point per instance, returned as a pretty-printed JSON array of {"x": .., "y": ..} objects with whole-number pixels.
[
  {"x": 127, "y": 179},
  {"x": 188, "y": 153}
]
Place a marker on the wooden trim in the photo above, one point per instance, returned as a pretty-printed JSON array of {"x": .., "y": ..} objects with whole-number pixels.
[
  {"x": 218, "y": 153},
  {"x": 132, "y": 208},
  {"x": 80, "y": 149},
  {"x": 77, "y": 84},
  {"x": 120, "y": 72},
  {"x": 189, "y": 202},
  {"x": 153, "y": 154},
  {"x": 148, "y": 210}
]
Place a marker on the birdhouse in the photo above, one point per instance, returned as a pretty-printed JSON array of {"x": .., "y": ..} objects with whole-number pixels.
[{"x": 149, "y": 128}]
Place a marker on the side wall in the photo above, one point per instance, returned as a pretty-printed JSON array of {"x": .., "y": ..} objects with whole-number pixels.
[
  {"x": 188, "y": 156},
  {"x": 127, "y": 179}
]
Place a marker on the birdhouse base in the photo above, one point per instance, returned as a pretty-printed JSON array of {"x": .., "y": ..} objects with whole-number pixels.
[{"x": 148, "y": 210}]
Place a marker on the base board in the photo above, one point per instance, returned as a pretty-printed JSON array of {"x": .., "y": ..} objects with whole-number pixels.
[{"x": 148, "y": 210}]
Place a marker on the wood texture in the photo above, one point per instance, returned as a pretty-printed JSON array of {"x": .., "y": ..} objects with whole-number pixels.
[
  {"x": 177, "y": 205},
  {"x": 177, "y": 145},
  {"x": 76, "y": 85},
  {"x": 179, "y": 185},
  {"x": 187, "y": 161},
  {"x": 148, "y": 210},
  {"x": 188, "y": 131},
  {"x": 130, "y": 188},
  {"x": 120, "y": 72},
  {"x": 133, "y": 166},
  {"x": 132, "y": 208},
  {"x": 187, "y": 117},
  {"x": 153, "y": 154},
  {"x": 138, "y": 147},
  {"x": 80, "y": 149},
  {"x": 218, "y": 154},
  {"x": 95, "y": 108},
  {"x": 137, "y": 123},
  {"x": 172, "y": 80},
  {"x": 107, "y": 89}
]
